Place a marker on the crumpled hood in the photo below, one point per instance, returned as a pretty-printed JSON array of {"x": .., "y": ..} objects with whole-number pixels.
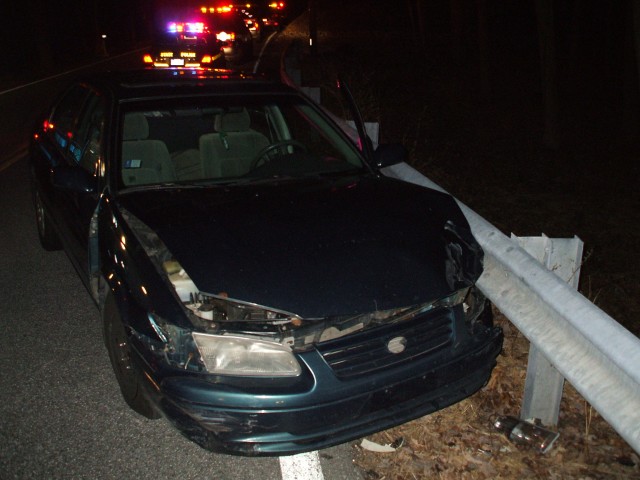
[{"x": 316, "y": 248}]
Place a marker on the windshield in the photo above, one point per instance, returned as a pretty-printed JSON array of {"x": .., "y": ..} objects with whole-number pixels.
[{"x": 233, "y": 139}]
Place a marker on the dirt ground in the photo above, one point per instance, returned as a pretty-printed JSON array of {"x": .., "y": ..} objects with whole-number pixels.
[{"x": 488, "y": 154}]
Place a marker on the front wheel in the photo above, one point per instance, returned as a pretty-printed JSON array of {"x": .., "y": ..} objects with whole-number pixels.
[{"x": 117, "y": 342}]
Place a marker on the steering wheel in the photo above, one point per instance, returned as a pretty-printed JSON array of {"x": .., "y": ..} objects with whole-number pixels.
[{"x": 266, "y": 154}]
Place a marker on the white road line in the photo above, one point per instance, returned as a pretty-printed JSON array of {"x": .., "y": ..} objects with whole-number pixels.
[
  {"x": 304, "y": 466},
  {"x": 67, "y": 72},
  {"x": 6, "y": 162}
]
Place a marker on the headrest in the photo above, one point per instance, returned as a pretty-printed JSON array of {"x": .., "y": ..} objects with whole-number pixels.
[
  {"x": 233, "y": 121},
  {"x": 136, "y": 127}
]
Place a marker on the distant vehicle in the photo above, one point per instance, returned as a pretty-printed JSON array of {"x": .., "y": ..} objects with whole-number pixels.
[
  {"x": 275, "y": 15},
  {"x": 269, "y": 15},
  {"x": 261, "y": 283},
  {"x": 251, "y": 20},
  {"x": 228, "y": 26},
  {"x": 185, "y": 45}
]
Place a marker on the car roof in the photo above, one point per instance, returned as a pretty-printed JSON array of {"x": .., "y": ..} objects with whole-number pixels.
[{"x": 158, "y": 83}]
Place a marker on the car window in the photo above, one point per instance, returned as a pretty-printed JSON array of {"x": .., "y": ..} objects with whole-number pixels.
[
  {"x": 89, "y": 136},
  {"x": 65, "y": 115},
  {"x": 232, "y": 140}
]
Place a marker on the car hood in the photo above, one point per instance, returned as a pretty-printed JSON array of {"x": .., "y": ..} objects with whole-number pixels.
[{"x": 315, "y": 247}]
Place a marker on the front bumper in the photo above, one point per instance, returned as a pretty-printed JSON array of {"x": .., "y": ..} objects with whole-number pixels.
[{"x": 327, "y": 410}]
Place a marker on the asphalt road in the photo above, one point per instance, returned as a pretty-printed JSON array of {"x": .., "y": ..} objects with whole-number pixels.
[{"x": 61, "y": 413}]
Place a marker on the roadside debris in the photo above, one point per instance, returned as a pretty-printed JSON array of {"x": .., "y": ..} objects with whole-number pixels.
[
  {"x": 379, "y": 448},
  {"x": 527, "y": 432}
]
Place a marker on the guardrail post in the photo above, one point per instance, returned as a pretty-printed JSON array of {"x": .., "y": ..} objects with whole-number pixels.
[{"x": 544, "y": 384}]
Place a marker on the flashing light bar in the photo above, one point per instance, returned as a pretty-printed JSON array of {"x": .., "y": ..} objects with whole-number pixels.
[{"x": 188, "y": 27}]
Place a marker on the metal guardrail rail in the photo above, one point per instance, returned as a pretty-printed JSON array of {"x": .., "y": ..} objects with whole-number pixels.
[
  {"x": 592, "y": 351},
  {"x": 597, "y": 355}
]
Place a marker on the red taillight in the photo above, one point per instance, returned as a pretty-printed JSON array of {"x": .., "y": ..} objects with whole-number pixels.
[
  {"x": 206, "y": 59},
  {"x": 147, "y": 58}
]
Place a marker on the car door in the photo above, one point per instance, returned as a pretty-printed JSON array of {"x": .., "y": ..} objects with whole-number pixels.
[
  {"x": 50, "y": 148},
  {"x": 78, "y": 179}
]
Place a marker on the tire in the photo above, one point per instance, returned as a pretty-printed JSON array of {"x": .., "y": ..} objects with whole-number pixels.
[
  {"x": 47, "y": 235},
  {"x": 126, "y": 372}
]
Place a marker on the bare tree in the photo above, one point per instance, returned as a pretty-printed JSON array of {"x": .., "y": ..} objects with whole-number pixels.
[
  {"x": 416, "y": 18},
  {"x": 483, "y": 49},
  {"x": 547, "y": 47}
]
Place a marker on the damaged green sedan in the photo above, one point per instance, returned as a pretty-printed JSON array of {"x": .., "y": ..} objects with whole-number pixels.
[{"x": 261, "y": 284}]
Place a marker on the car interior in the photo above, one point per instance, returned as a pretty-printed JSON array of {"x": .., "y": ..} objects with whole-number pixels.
[{"x": 193, "y": 144}]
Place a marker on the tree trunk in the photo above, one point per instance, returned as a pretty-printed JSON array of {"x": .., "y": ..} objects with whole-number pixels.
[
  {"x": 39, "y": 25},
  {"x": 632, "y": 74},
  {"x": 483, "y": 50},
  {"x": 457, "y": 31},
  {"x": 547, "y": 46}
]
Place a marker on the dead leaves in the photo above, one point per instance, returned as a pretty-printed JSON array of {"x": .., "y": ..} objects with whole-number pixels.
[{"x": 460, "y": 442}]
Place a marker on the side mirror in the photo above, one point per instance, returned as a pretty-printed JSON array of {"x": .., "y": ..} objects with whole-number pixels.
[
  {"x": 75, "y": 179},
  {"x": 390, "y": 154}
]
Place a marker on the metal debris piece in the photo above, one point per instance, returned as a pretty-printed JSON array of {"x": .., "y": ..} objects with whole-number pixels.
[{"x": 527, "y": 432}]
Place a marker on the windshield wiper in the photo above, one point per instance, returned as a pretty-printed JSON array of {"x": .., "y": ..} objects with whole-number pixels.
[{"x": 171, "y": 186}]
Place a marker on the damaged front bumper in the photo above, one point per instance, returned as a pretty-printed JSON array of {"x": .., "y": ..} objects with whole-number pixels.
[{"x": 320, "y": 409}]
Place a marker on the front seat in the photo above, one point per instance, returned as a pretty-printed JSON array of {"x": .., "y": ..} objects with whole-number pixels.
[
  {"x": 143, "y": 160},
  {"x": 229, "y": 151}
]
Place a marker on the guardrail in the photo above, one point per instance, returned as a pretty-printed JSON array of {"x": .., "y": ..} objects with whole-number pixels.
[{"x": 599, "y": 357}]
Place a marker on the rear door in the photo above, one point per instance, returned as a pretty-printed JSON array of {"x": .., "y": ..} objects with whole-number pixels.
[
  {"x": 85, "y": 155},
  {"x": 73, "y": 142}
]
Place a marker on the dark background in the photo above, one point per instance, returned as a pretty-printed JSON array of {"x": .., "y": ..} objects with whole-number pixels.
[
  {"x": 528, "y": 111},
  {"x": 579, "y": 53}
]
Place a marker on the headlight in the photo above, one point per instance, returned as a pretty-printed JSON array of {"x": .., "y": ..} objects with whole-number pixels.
[
  {"x": 234, "y": 355},
  {"x": 477, "y": 312}
]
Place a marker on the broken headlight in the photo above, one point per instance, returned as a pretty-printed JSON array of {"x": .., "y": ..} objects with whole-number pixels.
[
  {"x": 236, "y": 355},
  {"x": 477, "y": 311},
  {"x": 219, "y": 354}
]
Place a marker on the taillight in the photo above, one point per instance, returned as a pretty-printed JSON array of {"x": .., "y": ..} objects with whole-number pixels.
[
  {"x": 225, "y": 37},
  {"x": 147, "y": 59}
]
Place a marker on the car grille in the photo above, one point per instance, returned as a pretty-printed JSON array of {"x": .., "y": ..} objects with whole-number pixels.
[{"x": 368, "y": 351}]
